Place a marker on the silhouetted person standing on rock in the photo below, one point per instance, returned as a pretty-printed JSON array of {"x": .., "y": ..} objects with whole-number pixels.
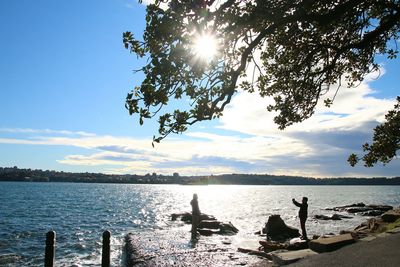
[
  {"x": 195, "y": 214},
  {"x": 302, "y": 215}
]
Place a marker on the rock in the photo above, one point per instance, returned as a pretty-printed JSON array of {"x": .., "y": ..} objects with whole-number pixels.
[
  {"x": 356, "y": 234},
  {"x": 209, "y": 224},
  {"x": 342, "y": 216},
  {"x": 341, "y": 208},
  {"x": 372, "y": 213},
  {"x": 175, "y": 247},
  {"x": 381, "y": 207},
  {"x": 207, "y": 217},
  {"x": 322, "y": 217},
  {"x": 375, "y": 224},
  {"x": 297, "y": 244},
  {"x": 337, "y": 217},
  {"x": 391, "y": 216},
  {"x": 208, "y": 228},
  {"x": 134, "y": 256},
  {"x": 372, "y": 225},
  {"x": 255, "y": 252},
  {"x": 363, "y": 224},
  {"x": 276, "y": 229},
  {"x": 334, "y": 217},
  {"x": 250, "y": 244},
  {"x": 357, "y": 209},
  {"x": 187, "y": 217},
  {"x": 227, "y": 228},
  {"x": 361, "y": 228},
  {"x": 207, "y": 232},
  {"x": 331, "y": 243},
  {"x": 184, "y": 216},
  {"x": 271, "y": 245},
  {"x": 361, "y": 207},
  {"x": 287, "y": 257}
]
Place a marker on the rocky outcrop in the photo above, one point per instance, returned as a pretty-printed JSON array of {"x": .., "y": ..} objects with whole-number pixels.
[
  {"x": 363, "y": 209},
  {"x": 334, "y": 217},
  {"x": 391, "y": 216},
  {"x": 208, "y": 224},
  {"x": 208, "y": 228},
  {"x": 375, "y": 225},
  {"x": 372, "y": 213},
  {"x": 134, "y": 255},
  {"x": 175, "y": 247},
  {"x": 228, "y": 228},
  {"x": 276, "y": 229},
  {"x": 187, "y": 217},
  {"x": 342, "y": 208},
  {"x": 357, "y": 209}
]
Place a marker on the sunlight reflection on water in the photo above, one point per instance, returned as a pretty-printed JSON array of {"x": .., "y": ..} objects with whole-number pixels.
[{"x": 79, "y": 213}]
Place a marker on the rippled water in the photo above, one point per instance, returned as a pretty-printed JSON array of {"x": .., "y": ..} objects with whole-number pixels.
[{"x": 79, "y": 213}]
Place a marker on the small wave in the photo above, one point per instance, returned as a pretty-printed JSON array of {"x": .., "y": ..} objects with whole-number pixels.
[{"x": 9, "y": 259}]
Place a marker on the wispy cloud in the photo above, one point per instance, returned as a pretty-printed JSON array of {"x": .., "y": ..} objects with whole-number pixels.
[{"x": 45, "y": 131}]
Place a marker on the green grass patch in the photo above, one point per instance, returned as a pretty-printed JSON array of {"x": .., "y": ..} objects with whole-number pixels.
[{"x": 392, "y": 225}]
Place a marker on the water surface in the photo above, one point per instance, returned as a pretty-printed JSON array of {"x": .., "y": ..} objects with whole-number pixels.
[{"x": 79, "y": 213}]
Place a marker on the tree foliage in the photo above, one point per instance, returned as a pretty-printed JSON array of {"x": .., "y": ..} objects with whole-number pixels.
[
  {"x": 295, "y": 51},
  {"x": 386, "y": 141}
]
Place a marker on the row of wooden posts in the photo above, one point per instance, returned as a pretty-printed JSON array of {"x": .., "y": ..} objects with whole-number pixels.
[{"x": 49, "y": 255}]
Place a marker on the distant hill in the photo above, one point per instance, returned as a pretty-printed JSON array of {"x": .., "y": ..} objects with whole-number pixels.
[{"x": 30, "y": 175}]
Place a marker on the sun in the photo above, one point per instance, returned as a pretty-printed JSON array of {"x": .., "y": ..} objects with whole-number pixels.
[{"x": 205, "y": 47}]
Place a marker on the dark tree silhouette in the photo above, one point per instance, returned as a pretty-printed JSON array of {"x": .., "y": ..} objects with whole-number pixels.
[
  {"x": 297, "y": 51},
  {"x": 386, "y": 141}
]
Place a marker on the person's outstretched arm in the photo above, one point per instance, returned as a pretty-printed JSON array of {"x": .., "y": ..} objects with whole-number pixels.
[{"x": 296, "y": 203}]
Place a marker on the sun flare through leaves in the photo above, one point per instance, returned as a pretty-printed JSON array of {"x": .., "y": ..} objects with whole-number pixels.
[{"x": 205, "y": 47}]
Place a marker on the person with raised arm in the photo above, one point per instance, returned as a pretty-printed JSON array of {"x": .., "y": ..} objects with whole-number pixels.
[{"x": 303, "y": 213}]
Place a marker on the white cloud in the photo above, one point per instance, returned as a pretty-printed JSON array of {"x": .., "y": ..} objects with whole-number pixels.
[
  {"x": 317, "y": 147},
  {"x": 353, "y": 107}
]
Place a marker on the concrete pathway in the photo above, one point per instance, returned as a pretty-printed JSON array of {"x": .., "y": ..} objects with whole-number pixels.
[{"x": 381, "y": 251}]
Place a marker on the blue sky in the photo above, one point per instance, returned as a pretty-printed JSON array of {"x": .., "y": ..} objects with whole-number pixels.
[{"x": 65, "y": 75}]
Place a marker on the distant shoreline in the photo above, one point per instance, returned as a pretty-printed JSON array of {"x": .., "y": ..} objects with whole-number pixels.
[{"x": 14, "y": 174}]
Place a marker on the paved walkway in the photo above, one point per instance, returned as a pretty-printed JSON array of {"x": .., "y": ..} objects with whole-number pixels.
[{"x": 382, "y": 251}]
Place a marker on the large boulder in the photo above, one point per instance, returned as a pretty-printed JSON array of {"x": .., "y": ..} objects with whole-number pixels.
[{"x": 276, "y": 229}]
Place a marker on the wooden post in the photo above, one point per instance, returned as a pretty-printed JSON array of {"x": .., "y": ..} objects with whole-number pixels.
[
  {"x": 49, "y": 254},
  {"x": 105, "y": 255}
]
